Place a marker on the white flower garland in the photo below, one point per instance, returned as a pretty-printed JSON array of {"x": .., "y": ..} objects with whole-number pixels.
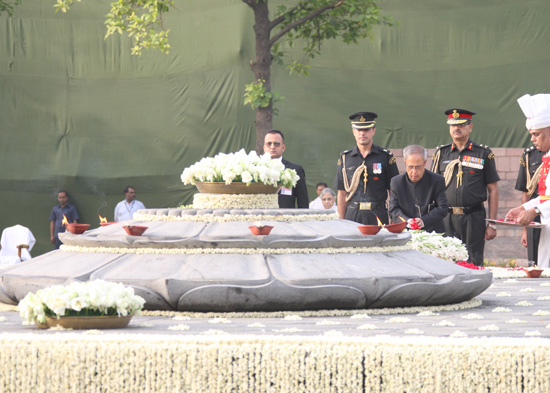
[
  {"x": 235, "y": 201},
  {"x": 222, "y": 251},
  {"x": 236, "y": 217},
  {"x": 222, "y": 363}
]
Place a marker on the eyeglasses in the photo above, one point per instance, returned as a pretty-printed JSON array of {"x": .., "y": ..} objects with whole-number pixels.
[{"x": 276, "y": 144}]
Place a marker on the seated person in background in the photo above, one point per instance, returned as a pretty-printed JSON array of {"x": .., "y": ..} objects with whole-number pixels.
[
  {"x": 328, "y": 198},
  {"x": 316, "y": 203},
  {"x": 418, "y": 195}
]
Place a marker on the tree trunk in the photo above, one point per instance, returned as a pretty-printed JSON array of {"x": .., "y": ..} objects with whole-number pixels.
[{"x": 261, "y": 67}]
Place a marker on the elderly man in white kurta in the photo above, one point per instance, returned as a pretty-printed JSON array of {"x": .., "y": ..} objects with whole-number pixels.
[{"x": 537, "y": 110}]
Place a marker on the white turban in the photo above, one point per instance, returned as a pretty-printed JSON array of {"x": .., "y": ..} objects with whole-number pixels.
[{"x": 537, "y": 110}]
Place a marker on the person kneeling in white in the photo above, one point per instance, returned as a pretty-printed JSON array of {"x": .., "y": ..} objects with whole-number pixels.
[
  {"x": 125, "y": 209},
  {"x": 537, "y": 110}
]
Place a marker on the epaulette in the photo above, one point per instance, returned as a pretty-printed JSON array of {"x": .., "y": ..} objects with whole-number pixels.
[
  {"x": 442, "y": 146},
  {"x": 388, "y": 152},
  {"x": 339, "y": 162}
]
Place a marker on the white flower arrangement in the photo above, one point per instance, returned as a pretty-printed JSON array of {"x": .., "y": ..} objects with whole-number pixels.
[
  {"x": 91, "y": 298},
  {"x": 448, "y": 248},
  {"x": 240, "y": 167},
  {"x": 235, "y": 201}
]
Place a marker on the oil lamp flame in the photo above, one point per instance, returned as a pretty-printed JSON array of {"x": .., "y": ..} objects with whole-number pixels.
[
  {"x": 258, "y": 224},
  {"x": 402, "y": 219},
  {"x": 64, "y": 221},
  {"x": 102, "y": 219},
  {"x": 379, "y": 222}
]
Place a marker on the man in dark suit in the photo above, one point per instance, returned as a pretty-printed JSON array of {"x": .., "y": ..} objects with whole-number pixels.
[
  {"x": 418, "y": 195},
  {"x": 274, "y": 144}
]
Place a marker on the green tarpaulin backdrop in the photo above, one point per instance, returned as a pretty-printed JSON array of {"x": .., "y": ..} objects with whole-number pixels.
[{"x": 79, "y": 112}]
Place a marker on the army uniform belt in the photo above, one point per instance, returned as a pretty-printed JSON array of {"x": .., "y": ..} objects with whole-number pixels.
[
  {"x": 465, "y": 210},
  {"x": 368, "y": 205}
]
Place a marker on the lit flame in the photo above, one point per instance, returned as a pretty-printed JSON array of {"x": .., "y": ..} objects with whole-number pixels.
[
  {"x": 102, "y": 219},
  {"x": 258, "y": 224},
  {"x": 402, "y": 219},
  {"x": 64, "y": 221},
  {"x": 379, "y": 222}
]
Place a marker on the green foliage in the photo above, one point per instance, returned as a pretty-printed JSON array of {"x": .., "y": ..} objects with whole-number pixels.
[
  {"x": 298, "y": 68},
  {"x": 8, "y": 6},
  {"x": 257, "y": 97},
  {"x": 141, "y": 19},
  {"x": 313, "y": 21}
]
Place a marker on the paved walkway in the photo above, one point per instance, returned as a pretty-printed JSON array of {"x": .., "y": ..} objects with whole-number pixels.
[{"x": 510, "y": 308}]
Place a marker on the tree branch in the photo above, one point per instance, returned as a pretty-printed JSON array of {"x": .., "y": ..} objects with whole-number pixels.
[
  {"x": 303, "y": 20},
  {"x": 281, "y": 19}
]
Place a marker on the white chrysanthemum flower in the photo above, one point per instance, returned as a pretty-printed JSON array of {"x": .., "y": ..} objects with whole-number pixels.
[
  {"x": 502, "y": 309},
  {"x": 288, "y": 330},
  {"x": 328, "y": 323},
  {"x": 448, "y": 248},
  {"x": 504, "y": 294},
  {"x": 333, "y": 333},
  {"x": 360, "y": 316},
  {"x": 95, "y": 297},
  {"x": 398, "y": 320},
  {"x": 256, "y": 325},
  {"x": 542, "y": 312},
  {"x": 240, "y": 167},
  {"x": 534, "y": 333},
  {"x": 543, "y": 298},
  {"x": 444, "y": 323},
  {"x": 219, "y": 320},
  {"x": 527, "y": 290},
  {"x": 426, "y": 314},
  {"x": 458, "y": 334},
  {"x": 515, "y": 320},
  {"x": 414, "y": 331},
  {"x": 179, "y": 327},
  {"x": 367, "y": 326},
  {"x": 214, "y": 332},
  {"x": 292, "y": 318},
  {"x": 490, "y": 328},
  {"x": 524, "y": 303}
]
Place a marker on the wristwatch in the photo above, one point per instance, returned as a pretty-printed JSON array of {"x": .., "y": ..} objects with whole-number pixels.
[
  {"x": 492, "y": 226},
  {"x": 537, "y": 210}
]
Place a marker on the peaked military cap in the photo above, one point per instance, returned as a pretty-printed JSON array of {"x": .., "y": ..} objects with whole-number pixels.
[
  {"x": 458, "y": 116},
  {"x": 363, "y": 120}
]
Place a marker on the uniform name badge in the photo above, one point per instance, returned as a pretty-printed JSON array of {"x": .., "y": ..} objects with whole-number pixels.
[
  {"x": 377, "y": 168},
  {"x": 286, "y": 191}
]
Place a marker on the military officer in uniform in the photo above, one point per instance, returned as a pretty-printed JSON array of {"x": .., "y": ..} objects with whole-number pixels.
[
  {"x": 364, "y": 174},
  {"x": 470, "y": 179},
  {"x": 527, "y": 182}
]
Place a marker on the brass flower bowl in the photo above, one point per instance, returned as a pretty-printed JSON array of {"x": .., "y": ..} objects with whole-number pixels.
[{"x": 236, "y": 188}]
